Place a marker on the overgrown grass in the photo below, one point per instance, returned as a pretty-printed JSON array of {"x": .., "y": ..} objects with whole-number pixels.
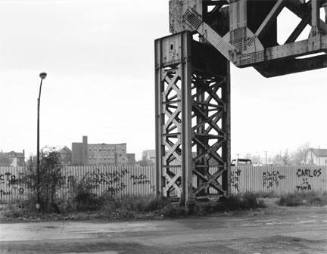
[
  {"x": 131, "y": 207},
  {"x": 21, "y": 209},
  {"x": 243, "y": 202},
  {"x": 303, "y": 199},
  {"x": 247, "y": 201},
  {"x": 270, "y": 194}
]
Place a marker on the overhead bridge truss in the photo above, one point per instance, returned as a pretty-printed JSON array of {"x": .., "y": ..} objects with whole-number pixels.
[{"x": 193, "y": 148}]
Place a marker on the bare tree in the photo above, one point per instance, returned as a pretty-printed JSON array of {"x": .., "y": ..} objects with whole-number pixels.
[
  {"x": 299, "y": 156},
  {"x": 254, "y": 158}
]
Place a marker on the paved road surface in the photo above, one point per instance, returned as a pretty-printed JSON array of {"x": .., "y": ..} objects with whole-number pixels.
[{"x": 296, "y": 230}]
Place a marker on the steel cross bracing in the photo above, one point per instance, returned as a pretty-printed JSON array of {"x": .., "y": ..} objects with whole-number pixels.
[
  {"x": 210, "y": 133},
  {"x": 193, "y": 81}
]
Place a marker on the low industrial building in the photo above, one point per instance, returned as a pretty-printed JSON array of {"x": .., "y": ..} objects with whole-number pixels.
[{"x": 91, "y": 154}]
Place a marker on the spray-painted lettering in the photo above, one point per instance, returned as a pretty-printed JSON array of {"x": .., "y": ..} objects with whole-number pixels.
[
  {"x": 140, "y": 179},
  {"x": 304, "y": 186},
  {"x": 309, "y": 172},
  {"x": 12, "y": 184},
  {"x": 235, "y": 179},
  {"x": 272, "y": 179},
  {"x": 107, "y": 178}
]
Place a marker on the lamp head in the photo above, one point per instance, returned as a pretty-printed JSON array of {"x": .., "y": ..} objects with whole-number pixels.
[{"x": 43, "y": 75}]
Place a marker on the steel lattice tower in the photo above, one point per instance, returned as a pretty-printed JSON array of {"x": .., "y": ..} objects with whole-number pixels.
[{"x": 193, "y": 118}]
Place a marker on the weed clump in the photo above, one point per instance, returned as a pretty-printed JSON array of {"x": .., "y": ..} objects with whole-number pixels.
[
  {"x": 246, "y": 201},
  {"x": 303, "y": 199},
  {"x": 131, "y": 206}
]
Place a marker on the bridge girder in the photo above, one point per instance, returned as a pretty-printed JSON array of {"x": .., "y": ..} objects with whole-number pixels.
[
  {"x": 193, "y": 147},
  {"x": 251, "y": 37}
]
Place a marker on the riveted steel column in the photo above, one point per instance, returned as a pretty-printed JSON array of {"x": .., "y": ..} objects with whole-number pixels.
[
  {"x": 315, "y": 14},
  {"x": 158, "y": 116},
  {"x": 226, "y": 96},
  {"x": 187, "y": 163},
  {"x": 173, "y": 70}
]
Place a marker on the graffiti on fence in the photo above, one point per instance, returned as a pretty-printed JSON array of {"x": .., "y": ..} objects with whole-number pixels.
[
  {"x": 235, "y": 179},
  {"x": 307, "y": 172},
  {"x": 272, "y": 178},
  {"x": 13, "y": 182},
  {"x": 114, "y": 190},
  {"x": 9, "y": 179},
  {"x": 140, "y": 179},
  {"x": 112, "y": 180},
  {"x": 304, "y": 186},
  {"x": 107, "y": 178},
  {"x": 122, "y": 180},
  {"x": 5, "y": 193}
]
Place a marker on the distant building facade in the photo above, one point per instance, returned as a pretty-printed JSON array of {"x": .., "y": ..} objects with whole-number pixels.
[
  {"x": 80, "y": 152},
  {"x": 90, "y": 154},
  {"x": 107, "y": 154},
  {"x": 131, "y": 158},
  {"x": 65, "y": 155},
  {"x": 12, "y": 159},
  {"x": 316, "y": 157},
  {"x": 149, "y": 155}
]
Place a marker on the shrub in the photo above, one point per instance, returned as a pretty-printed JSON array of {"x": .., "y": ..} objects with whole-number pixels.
[
  {"x": 303, "y": 198},
  {"x": 13, "y": 211},
  {"x": 240, "y": 202},
  {"x": 46, "y": 183},
  {"x": 83, "y": 197},
  {"x": 156, "y": 203},
  {"x": 130, "y": 206},
  {"x": 246, "y": 201},
  {"x": 270, "y": 194},
  {"x": 173, "y": 211}
]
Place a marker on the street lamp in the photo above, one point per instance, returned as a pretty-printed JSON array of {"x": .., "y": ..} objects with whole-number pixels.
[{"x": 43, "y": 75}]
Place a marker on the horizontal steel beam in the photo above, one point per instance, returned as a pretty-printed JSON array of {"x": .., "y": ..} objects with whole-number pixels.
[
  {"x": 290, "y": 50},
  {"x": 278, "y": 68}
]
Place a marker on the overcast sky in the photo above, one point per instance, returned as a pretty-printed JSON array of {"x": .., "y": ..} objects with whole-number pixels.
[{"x": 99, "y": 58}]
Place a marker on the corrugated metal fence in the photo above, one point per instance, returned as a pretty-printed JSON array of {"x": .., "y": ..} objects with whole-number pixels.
[
  {"x": 133, "y": 180},
  {"x": 119, "y": 181},
  {"x": 280, "y": 180},
  {"x": 11, "y": 187}
]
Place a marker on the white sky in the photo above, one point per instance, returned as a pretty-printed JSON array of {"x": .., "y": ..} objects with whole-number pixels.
[{"x": 99, "y": 58}]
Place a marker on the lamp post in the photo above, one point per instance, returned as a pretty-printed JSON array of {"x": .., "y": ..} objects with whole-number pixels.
[{"x": 43, "y": 75}]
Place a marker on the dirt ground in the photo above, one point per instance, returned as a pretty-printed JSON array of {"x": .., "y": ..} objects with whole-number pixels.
[{"x": 271, "y": 230}]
